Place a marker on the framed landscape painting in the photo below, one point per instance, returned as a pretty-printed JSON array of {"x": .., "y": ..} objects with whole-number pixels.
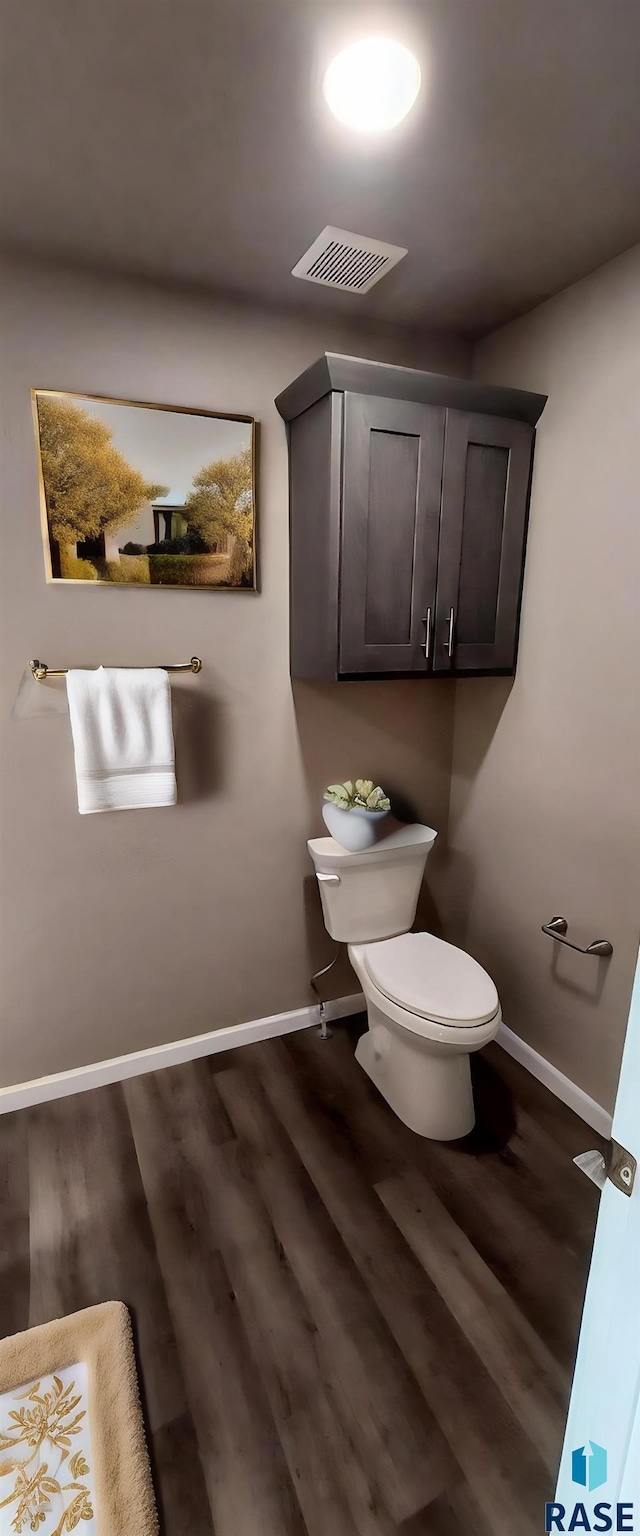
[{"x": 145, "y": 495}]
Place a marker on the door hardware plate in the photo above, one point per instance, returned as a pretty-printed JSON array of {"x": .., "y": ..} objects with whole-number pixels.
[
  {"x": 622, "y": 1168},
  {"x": 619, "y": 1166}
]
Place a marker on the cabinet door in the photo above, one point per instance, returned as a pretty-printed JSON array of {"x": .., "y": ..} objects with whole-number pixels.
[
  {"x": 392, "y": 471},
  {"x": 485, "y": 490}
]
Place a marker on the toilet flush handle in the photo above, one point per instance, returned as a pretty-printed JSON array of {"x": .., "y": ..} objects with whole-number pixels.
[{"x": 328, "y": 879}]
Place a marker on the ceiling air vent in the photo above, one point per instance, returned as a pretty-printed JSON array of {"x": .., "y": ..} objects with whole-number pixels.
[{"x": 340, "y": 259}]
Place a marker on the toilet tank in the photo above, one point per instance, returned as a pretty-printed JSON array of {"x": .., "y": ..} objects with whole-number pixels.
[{"x": 374, "y": 894}]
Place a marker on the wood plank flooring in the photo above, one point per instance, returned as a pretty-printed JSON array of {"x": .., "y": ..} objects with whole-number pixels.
[{"x": 342, "y": 1329}]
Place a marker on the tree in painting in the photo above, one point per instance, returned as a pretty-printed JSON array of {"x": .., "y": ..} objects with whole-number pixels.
[
  {"x": 221, "y": 504},
  {"x": 90, "y": 487}
]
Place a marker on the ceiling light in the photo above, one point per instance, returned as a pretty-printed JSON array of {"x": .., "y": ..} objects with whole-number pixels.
[{"x": 372, "y": 85}]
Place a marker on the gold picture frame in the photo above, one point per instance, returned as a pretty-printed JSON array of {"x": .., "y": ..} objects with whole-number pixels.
[{"x": 105, "y": 476}]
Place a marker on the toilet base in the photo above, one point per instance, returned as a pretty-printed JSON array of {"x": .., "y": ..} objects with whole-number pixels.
[{"x": 430, "y": 1090}]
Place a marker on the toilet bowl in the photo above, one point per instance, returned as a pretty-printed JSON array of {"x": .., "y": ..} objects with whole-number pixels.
[
  {"x": 429, "y": 1004},
  {"x": 419, "y": 1063}
]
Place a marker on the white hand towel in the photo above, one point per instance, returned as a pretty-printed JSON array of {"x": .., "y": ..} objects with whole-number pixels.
[{"x": 122, "y": 738}]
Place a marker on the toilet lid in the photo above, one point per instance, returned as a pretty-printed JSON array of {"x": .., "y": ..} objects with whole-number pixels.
[{"x": 433, "y": 979}]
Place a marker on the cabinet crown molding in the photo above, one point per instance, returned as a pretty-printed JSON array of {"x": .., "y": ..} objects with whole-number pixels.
[{"x": 336, "y": 372}]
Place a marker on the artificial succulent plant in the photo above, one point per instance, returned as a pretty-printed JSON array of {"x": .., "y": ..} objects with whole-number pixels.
[{"x": 362, "y": 794}]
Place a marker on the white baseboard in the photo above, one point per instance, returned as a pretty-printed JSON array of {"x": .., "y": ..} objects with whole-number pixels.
[
  {"x": 117, "y": 1068},
  {"x": 555, "y": 1080}
]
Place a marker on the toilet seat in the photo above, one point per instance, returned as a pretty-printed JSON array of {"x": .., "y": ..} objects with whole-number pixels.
[{"x": 432, "y": 979}]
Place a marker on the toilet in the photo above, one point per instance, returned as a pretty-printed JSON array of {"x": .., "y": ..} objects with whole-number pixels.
[{"x": 429, "y": 1004}]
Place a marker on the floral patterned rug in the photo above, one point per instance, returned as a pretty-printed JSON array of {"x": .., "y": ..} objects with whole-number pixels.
[
  {"x": 46, "y": 1480},
  {"x": 73, "y": 1454}
]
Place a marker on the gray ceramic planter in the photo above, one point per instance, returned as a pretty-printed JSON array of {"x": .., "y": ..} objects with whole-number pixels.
[{"x": 356, "y": 829}]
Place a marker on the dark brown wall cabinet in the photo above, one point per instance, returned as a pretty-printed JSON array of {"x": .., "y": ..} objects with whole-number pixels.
[{"x": 409, "y": 495}]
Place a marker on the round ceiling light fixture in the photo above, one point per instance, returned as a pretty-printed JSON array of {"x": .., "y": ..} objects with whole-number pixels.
[{"x": 371, "y": 85}]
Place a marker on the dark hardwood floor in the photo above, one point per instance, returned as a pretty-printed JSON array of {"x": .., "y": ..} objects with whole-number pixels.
[{"x": 342, "y": 1329}]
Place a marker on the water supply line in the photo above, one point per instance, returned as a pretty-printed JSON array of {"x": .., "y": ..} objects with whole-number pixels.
[{"x": 324, "y": 1031}]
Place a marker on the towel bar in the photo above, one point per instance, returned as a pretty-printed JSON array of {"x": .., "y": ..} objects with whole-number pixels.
[
  {"x": 40, "y": 670},
  {"x": 557, "y": 928}
]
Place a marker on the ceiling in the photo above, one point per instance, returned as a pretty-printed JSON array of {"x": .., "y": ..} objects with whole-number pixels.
[{"x": 187, "y": 140}]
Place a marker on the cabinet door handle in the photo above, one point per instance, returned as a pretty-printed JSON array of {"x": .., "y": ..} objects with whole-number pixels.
[
  {"x": 427, "y": 638},
  {"x": 449, "y": 639}
]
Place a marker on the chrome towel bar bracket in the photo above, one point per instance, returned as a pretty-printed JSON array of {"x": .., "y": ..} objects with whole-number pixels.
[
  {"x": 40, "y": 670},
  {"x": 557, "y": 928}
]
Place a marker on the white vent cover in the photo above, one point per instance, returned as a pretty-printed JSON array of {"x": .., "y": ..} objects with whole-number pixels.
[{"x": 340, "y": 259}]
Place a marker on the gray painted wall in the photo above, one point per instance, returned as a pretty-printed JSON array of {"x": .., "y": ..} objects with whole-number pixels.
[
  {"x": 544, "y": 800},
  {"x": 128, "y": 930}
]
